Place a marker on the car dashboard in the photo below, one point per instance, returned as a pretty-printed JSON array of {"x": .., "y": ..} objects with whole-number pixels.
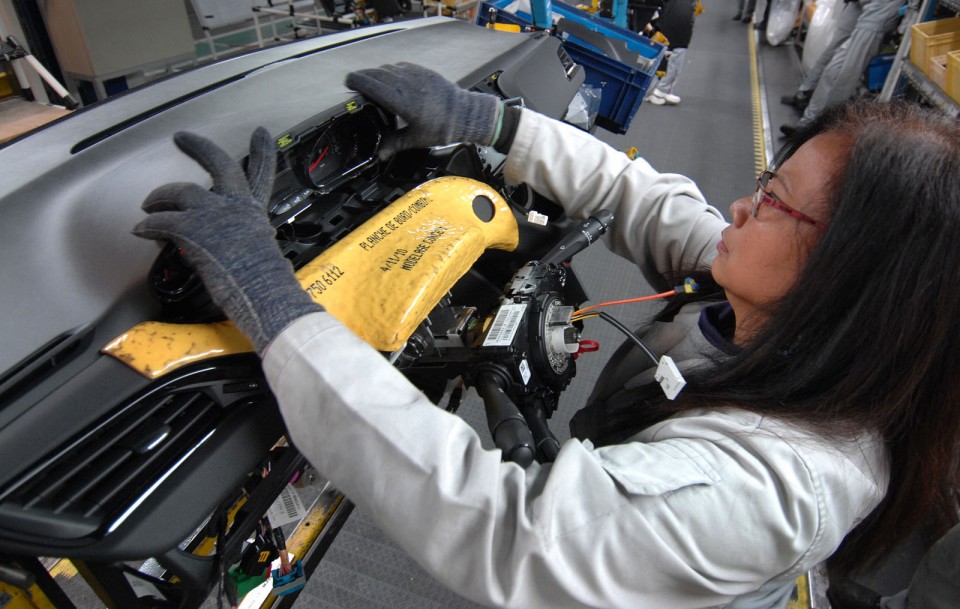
[{"x": 103, "y": 464}]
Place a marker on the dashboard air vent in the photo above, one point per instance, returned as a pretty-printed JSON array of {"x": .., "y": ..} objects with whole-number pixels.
[{"x": 106, "y": 469}]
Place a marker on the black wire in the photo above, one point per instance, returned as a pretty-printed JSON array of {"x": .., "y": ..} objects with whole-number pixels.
[
  {"x": 636, "y": 339},
  {"x": 226, "y": 587},
  {"x": 221, "y": 527}
]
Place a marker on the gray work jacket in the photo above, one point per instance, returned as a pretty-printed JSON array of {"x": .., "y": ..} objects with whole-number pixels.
[{"x": 713, "y": 508}]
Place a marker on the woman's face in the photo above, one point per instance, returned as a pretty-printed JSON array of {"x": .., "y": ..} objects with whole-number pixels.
[{"x": 759, "y": 258}]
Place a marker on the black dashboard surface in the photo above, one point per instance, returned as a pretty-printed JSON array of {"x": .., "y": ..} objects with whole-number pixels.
[
  {"x": 70, "y": 194},
  {"x": 73, "y": 277}
]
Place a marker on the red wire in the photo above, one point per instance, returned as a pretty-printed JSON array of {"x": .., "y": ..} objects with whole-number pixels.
[
  {"x": 628, "y": 300},
  {"x": 285, "y": 567}
]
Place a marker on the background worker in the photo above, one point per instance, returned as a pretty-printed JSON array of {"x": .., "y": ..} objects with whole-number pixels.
[
  {"x": 785, "y": 439},
  {"x": 676, "y": 23},
  {"x": 842, "y": 73},
  {"x": 745, "y": 11},
  {"x": 850, "y": 11}
]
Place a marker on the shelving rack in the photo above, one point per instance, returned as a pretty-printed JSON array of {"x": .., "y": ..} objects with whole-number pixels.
[{"x": 902, "y": 68}]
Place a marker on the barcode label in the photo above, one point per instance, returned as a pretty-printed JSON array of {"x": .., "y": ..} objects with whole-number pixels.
[
  {"x": 287, "y": 508},
  {"x": 525, "y": 373},
  {"x": 256, "y": 597},
  {"x": 505, "y": 325}
]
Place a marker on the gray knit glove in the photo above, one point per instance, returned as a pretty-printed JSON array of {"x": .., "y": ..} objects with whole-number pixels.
[
  {"x": 226, "y": 236},
  {"x": 438, "y": 111}
]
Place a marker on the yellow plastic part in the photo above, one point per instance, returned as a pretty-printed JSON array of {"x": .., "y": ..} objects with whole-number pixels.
[
  {"x": 309, "y": 530},
  {"x": 384, "y": 278},
  {"x": 380, "y": 281},
  {"x": 153, "y": 348},
  {"x": 16, "y": 598},
  {"x": 20, "y": 598},
  {"x": 504, "y": 27},
  {"x": 800, "y": 599}
]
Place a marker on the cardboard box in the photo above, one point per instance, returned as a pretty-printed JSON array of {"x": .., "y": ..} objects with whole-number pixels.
[
  {"x": 932, "y": 38},
  {"x": 953, "y": 76},
  {"x": 6, "y": 83}
]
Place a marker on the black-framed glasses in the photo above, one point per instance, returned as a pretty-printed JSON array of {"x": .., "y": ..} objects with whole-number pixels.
[{"x": 762, "y": 197}]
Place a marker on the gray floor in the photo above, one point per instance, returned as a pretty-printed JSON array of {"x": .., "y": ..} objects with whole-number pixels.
[{"x": 709, "y": 137}]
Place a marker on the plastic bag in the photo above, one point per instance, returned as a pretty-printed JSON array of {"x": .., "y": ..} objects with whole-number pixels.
[
  {"x": 820, "y": 32},
  {"x": 783, "y": 16},
  {"x": 583, "y": 108}
]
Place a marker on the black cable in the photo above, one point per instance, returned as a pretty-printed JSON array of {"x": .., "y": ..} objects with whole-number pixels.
[
  {"x": 636, "y": 339},
  {"x": 227, "y": 588},
  {"x": 221, "y": 527}
]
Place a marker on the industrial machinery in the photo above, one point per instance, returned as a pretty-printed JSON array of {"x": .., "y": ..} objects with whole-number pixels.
[{"x": 138, "y": 436}]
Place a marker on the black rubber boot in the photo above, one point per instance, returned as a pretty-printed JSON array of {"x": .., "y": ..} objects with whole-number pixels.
[
  {"x": 788, "y": 130},
  {"x": 798, "y": 100}
]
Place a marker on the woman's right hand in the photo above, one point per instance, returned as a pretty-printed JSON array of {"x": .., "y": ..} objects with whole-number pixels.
[{"x": 438, "y": 111}]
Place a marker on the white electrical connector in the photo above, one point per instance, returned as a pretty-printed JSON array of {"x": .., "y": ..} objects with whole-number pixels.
[
  {"x": 669, "y": 377},
  {"x": 535, "y": 217}
]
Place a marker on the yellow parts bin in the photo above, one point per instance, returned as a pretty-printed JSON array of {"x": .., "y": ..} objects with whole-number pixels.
[
  {"x": 932, "y": 38},
  {"x": 380, "y": 281},
  {"x": 953, "y": 76},
  {"x": 938, "y": 71}
]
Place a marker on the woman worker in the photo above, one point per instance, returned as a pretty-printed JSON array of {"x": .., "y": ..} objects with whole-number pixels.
[{"x": 823, "y": 400}]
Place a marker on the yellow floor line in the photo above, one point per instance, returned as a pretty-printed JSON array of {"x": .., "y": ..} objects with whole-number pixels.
[
  {"x": 759, "y": 148},
  {"x": 63, "y": 568}
]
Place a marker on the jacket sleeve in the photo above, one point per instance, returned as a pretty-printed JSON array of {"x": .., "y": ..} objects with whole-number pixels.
[
  {"x": 662, "y": 221},
  {"x": 641, "y": 525}
]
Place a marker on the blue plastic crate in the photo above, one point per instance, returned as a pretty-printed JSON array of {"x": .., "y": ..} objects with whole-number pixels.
[
  {"x": 619, "y": 62},
  {"x": 632, "y": 41},
  {"x": 648, "y": 52},
  {"x": 621, "y": 89},
  {"x": 877, "y": 71}
]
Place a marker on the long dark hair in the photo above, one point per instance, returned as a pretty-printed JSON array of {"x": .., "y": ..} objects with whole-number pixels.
[{"x": 868, "y": 337}]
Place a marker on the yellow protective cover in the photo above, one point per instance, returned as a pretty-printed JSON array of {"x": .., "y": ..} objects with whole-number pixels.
[{"x": 380, "y": 281}]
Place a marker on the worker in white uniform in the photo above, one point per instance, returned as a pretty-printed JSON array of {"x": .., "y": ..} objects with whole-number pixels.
[
  {"x": 836, "y": 78},
  {"x": 821, "y": 383}
]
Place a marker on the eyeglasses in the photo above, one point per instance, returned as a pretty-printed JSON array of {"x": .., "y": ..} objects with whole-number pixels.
[{"x": 762, "y": 197}]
